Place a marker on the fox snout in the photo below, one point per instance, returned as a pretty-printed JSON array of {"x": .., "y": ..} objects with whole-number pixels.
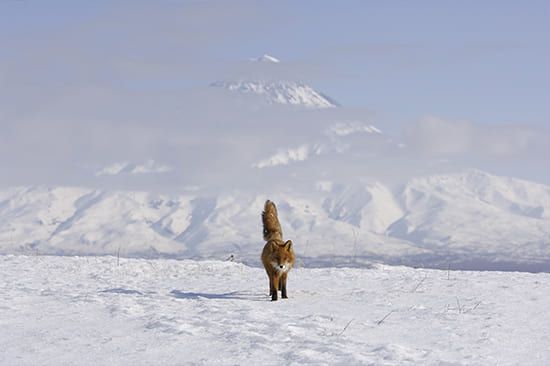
[{"x": 281, "y": 267}]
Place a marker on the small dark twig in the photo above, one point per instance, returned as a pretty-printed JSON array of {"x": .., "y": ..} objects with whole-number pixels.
[
  {"x": 354, "y": 246},
  {"x": 305, "y": 250},
  {"x": 473, "y": 308},
  {"x": 420, "y": 283},
  {"x": 385, "y": 317},
  {"x": 346, "y": 327}
]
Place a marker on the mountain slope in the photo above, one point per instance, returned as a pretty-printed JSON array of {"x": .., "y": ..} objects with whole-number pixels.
[
  {"x": 436, "y": 221},
  {"x": 505, "y": 218},
  {"x": 276, "y": 90},
  {"x": 279, "y": 92}
]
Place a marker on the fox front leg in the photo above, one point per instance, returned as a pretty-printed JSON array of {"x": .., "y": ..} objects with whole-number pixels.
[
  {"x": 275, "y": 284},
  {"x": 282, "y": 285},
  {"x": 271, "y": 287}
]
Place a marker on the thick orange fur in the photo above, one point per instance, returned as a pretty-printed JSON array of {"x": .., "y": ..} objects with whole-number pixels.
[
  {"x": 272, "y": 227},
  {"x": 277, "y": 256}
]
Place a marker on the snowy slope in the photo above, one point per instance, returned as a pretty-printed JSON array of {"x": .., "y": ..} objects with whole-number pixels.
[
  {"x": 354, "y": 138},
  {"x": 78, "y": 220},
  {"x": 266, "y": 58},
  {"x": 276, "y": 91},
  {"x": 477, "y": 213},
  {"x": 467, "y": 220},
  {"x": 90, "y": 311},
  {"x": 279, "y": 92}
]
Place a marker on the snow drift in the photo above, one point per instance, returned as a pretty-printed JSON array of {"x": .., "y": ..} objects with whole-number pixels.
[{"x": 97, "y": 310}]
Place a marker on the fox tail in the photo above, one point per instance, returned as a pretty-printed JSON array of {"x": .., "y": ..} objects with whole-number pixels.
[{"x": 272, "y": 227}]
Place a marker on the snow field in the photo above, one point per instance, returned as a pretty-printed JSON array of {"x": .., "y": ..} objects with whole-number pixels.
[{"x": 89, "y": 310}]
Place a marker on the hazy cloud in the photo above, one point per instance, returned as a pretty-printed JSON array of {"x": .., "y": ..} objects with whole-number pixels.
[
  {"x": 148, "y": 167},
  {"x": 440, "y": 137},
  {"x": 129, "y": 83}
]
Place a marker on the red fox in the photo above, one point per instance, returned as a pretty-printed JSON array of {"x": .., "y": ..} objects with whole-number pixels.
[{"x": 277, "y": 256}]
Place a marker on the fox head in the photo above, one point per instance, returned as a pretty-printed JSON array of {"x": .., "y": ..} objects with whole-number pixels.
[{"x": 282, "y": 256}]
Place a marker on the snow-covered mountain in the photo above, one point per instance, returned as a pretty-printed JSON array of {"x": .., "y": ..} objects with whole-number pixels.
[
  {"x": 469, "y": 220},
  {"x": 352, "y": 137},
  {"x": 278, "y": 91},
  {"x": 266, "y": 58}
]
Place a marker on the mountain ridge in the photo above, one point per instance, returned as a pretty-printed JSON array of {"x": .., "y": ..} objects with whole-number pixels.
[
  {"x": 279, "y": 92},
  {"x": 433, "y": 219}
]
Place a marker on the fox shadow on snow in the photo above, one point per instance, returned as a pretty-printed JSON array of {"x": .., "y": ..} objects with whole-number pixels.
[{"x": 235, "y": 295}]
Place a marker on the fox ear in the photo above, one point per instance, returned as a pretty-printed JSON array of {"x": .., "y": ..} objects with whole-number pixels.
[{"x": 288, "y": 244}]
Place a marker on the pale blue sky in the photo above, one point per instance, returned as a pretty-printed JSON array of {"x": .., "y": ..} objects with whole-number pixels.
[
  {"x": 484, "y": 61},
  {"x": 469, "y": 64}
]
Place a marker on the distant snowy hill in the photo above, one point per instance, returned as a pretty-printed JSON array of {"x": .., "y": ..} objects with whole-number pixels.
[
  {"x": 278, "y": 91},
  {"x": 469, "y": 220}
]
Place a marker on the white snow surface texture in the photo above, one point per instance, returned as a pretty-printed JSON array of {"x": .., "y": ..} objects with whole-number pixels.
[
  {"x": 470, "y": 220},
  {"x": 93, "y": 311}
]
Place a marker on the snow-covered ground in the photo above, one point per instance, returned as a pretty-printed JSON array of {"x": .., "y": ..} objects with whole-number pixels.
[{"x": 93, "y": 310}]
